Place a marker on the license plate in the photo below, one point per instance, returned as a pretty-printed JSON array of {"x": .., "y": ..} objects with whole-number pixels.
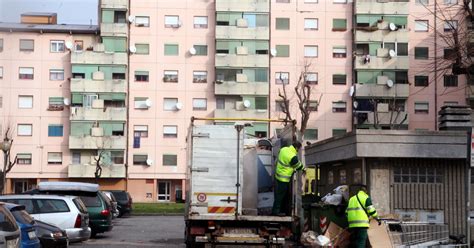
[
  {"x": 32, "y": 235},
  {"x": 12, "y": 243}
]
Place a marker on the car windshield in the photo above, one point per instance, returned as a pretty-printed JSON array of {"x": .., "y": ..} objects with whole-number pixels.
[
  {"x": 23, "y": 217},
  {"x": 7, "y": 222},
  {"x": 91, "y": 201},
  {"x": 80, "y": 205},
  {"x": 121, "y": 196}
]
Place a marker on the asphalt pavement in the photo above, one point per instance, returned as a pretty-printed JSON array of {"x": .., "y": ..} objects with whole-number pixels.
[{"x": 141, "y": 231}]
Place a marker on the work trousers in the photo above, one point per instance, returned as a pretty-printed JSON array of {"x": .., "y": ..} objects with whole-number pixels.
[
  {"x": 359, "y": 237},
  {"x": 281, "y": 202}
]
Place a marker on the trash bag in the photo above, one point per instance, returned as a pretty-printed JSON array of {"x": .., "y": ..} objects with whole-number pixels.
[
  {"x": 342, "y": 190},
  {"x": 332, "y": 199}
]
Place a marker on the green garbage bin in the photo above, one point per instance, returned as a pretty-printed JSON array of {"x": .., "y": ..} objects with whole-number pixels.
[{"x": 335, "y": 214}]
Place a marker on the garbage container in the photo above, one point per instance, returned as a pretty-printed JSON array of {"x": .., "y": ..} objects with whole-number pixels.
[{"x": 327, "y": 214}]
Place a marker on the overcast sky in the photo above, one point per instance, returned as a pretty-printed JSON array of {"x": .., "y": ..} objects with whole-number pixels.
[{"x": 69, "y": 11}]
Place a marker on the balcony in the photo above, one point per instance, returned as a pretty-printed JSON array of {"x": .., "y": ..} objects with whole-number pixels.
[
  {"x": 401, "y": 35},
  {"x": 243, "y": 5},
  {"x": 88, "y": 170},
  {"x": 381, "y": 7},
  {"x": 88, "y": 85},
  {"x": 99, "y": 58},
  {"x": 242, "y": 33},
  {"x": 114, "y": 4},
  {"x": 382, "y": 91},
  {"x": 382, "y": 62},
  {"x": 385, "y": 118},
  {"x": 102, "y": 142},
  {"x": 234, "y": 60},
  {"x": 113, "y": 29},
  {"x": 234, "y": 88},
  {"x": 99, "y": 114},
  {"x": 233, "y": 113}
]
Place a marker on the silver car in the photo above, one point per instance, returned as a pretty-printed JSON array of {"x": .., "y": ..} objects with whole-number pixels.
[
  {"x": 9, "y": 230},
  {"x": 113, "y": 201}
]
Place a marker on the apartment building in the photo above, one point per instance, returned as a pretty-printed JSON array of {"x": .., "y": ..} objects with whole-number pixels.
[{"x": 133, "y": 87}]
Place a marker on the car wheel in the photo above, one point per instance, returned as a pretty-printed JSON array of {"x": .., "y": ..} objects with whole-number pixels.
[
  {"x": 93, "y": 235},
  {"x": 119, "y": 214}
]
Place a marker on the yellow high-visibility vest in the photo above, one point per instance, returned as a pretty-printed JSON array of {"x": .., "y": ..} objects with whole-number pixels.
[
  {"x": 284, "y": 170},
  {"x": 356, "y": 215}
]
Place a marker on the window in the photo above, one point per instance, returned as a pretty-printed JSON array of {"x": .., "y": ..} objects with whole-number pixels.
[
  {"x": 141, "y": 102},
  {"x": 282, "y": 77},
  {"x": 313, "y": 105},
  {"x": 311, "y": 134},
  {"x": 78, "y": 45},
  {"x": 339, "y": 1},
  {"x": 339, "y": 107},
  {"x": 25, "y": 102},
  {"x": 142, "y": 48},
  {"x": 422, "y": 2},
  {"x": 282, "y": 50},
  {"x": 57, "y": 46},
  {"x": 311, "y": 78},
  {"x": 172, "y": 22},
  {"x": 171, "y": 49},
  {"x": 421, "y": 81},
  {"x": 117, "y": 157},
  {"x": 170, "y": 160},
  {"x": 120, "y": 16},
  {"x": 199, "y": 104},
  {"x": 140, "y": 131},
  {"x": 170, "y": 76},
  {"x": 201, "y": 50},
  {"x": 311, "y": 51},
  {"x": 339, "y": 79},
  {"x": 170, "y": 131},
  {"x": 1, "y": 72},
  {"x": 400, "y": 48},
  {"x": 141, "y": 76},
  {"x": 118, "y": 75},
  {"x": 419, "y": 174},
  {"x": 1, "y": 45},
  {"x": 282, "y": 1},
  {"x": 282, "y": 23},
  {"x": 46, "y": 206},
  {"x": 56, "y": 75},
  {"x": 23, "y": 158},
  {"x": 311, "y": 24},
  {"x": 421, "y": 108},
  {"x": 76, "y": 158},
  {"x": 261, "y": 103},
  {"x": 142, "y": 21},
  {"x": 450, "y": 81},
  {"x": 450, "y": 103},
  {"x": 55, "y": 157},
  {"x": 449, "y": 53},
  {"x": 280, "y": 105},
  {"x": 220, "y": 103},
  {"x": 450, "y": 25},
  {"x": 450, "y": 2},
  {"x": 26, "y": 73},
  {"x": 339, "y": 52},
  {"x": 310, "y": 1},
  {"x": 25, "y": 129},
  {"x": 200, "y": 77},
  {"x": 339, "y": 24},
  {"x": 421, "y": 25},
  {"x": 421, "y": 52},
  {"x": 140, "y": 159},
  {"x": 169, "y": 104},
  {"x": 338, "y": 132},
  {"x": 27, "y": 45},
  {"x": 200, "y": 22},
  {"x": 55, "y": 130}
]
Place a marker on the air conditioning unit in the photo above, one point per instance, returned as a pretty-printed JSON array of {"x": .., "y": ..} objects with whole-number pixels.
[
  {"x": 99, "y": 47},
  {"x": 242, "y": 23},
  {"x": 242, "y": 50},
  {"x": 382, "y": 107},
  {"x": 97, "y": 132},
  {"x": 382, "y": 80},
  {"x": 239, "y": 106},
  {"x": 382, "y": 52},
  {"x": 241, "y": 78},
  {"x": 98, "y": 75},
  {"x": 98, "y": 104}
]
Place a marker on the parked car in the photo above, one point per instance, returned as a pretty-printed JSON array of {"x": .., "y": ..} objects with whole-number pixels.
[
  {"x": 9, "y": 230},
  {"x": 97, "y": 204},
  {"x": 51, "y": 236},
  {"x": 66, "y": 212},
  {"x": 113, "y": 201},
  {"x": 124, "y": 202},
  {"x": 26, "y": 224}
]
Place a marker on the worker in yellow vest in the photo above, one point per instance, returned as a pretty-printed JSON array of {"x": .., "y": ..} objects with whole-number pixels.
[
  {"x": 286, "y": 165},
  {"x": 359, "y": 211}
]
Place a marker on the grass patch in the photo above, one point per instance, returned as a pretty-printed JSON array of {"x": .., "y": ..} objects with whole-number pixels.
[{"x": 158, "y": 208}]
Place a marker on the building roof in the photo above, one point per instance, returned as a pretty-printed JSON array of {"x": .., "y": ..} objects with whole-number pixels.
[
  {"x": 39, "y": 14},
  {"x": 389, "y": 144},
  {"x": 49, "y": 28}
]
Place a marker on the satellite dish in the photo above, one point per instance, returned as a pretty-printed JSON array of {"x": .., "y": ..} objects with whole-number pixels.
[
  {"x": 355, "y": 104},
  {"x": 390, "y": 83},
  {"x": 69, "y": 45},
  {"x": 392, "y": 26},
  {"x": 148, "y": 102},
  {"x": 66, "y": 101},
  {"x": 392, "y": 53},
  {"x": 192, "y": 51},
  {"x": 273, "y": 52},
  {"x": 133, "y": 49},
  {"x": 247, "y": 104},
  {"x": 131, "y": 19},
  {"x": 149, "y": 162},
  {"x": 351, "y": 91},
  {"x": 179, "y": 106}
]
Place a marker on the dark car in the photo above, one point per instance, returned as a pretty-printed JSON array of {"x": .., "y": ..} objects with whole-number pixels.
[
  {"x": 29, "y": 238},
  {"x": 124, "y": 202},
  {"x": 100, "y": 212},
  {"x": 51, "y": 235}
]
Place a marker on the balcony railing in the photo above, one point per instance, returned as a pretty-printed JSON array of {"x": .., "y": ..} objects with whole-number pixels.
[
  {"x": 234, "y": 60},
  {"x": 384, "y": 118},
  {"x": 249, "y": 113},
  {"x": 242, "y": 33},
  {"x": 248, "y": 88},
  {"x": 383, "y": 62},
  {"x": 381, "y": 7},
  {"x": 113, "y": 29},
  {"x": 102, "y": 142},
  {"x": 99, "y": 58},
  {"x": 89, "y": 85},
  {"x": 114, "y": 4},
  {"x": 243, "y": 5},
  {"x": 100, "y": 114},
  {"x": 88, "y": 170},
  {"x": 382, "y": 91}
]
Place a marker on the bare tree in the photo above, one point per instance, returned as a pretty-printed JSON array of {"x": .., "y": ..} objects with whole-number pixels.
[
  {"x": 103, "y": 157},
  {"x": 8, "y": 164}
]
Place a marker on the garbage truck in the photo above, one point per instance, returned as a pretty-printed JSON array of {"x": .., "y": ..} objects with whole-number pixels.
[{"x": 229, "y": 188}]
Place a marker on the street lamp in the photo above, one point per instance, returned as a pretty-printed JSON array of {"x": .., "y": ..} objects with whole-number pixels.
[{"x": 6, "y": 145}]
